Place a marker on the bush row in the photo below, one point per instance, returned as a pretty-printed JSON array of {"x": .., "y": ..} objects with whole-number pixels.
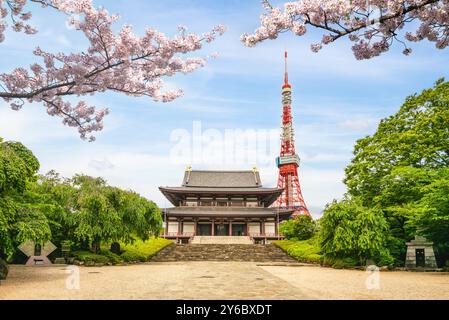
[
  {"x": 140, "y": 251},
  {"x": 308, "y": 251}
]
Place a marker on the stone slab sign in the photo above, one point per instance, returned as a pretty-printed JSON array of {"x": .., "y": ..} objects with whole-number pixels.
[{"x": 29, "y": 249}]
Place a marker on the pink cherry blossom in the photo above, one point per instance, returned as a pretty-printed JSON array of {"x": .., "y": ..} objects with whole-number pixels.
[
  {"x": 373, "y": 25},
  {"x": 114, "y": 61}
]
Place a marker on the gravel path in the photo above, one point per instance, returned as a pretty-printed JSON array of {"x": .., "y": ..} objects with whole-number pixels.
[
  {"x": 328, "y": 283},
  {"x": 217, "y": 280}
]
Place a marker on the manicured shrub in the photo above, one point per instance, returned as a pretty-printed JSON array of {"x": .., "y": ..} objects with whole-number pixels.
[
  {"x": 133, "y": 256},
  {"x": 339, "y": 263},
  {"x": 303, "y": 251},
  {"x": 300, "y": 228},
  {"x": 3, "y": 269},
  {"x": 148, "y": 248},
  {"x": 87, "y": 256},
  {"x": 112, "y": 257}
]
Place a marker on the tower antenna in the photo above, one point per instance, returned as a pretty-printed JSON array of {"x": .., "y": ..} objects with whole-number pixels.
[{"x": 286, "y": 68}]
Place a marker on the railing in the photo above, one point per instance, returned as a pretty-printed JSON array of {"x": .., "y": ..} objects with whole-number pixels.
[
  {"x": 247, "y": 204},
  {"x": 262, "y": 235},
  {"x": 177, "y": 234}
]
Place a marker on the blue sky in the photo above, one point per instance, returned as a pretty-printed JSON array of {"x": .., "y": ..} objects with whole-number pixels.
[{"x": 336, "y": 99}]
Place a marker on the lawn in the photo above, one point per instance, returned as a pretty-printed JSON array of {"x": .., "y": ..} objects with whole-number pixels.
[
  {"x": 302, "y": 250},
  {"x": 308, "y": 251},
  {"x": 139, "y": 251},
  {"x": 146, "y": 248}
]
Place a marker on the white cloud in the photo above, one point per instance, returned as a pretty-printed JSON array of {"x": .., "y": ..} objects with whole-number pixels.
[
  {"x": 32, "y": 124},
  {"x": 318, "y": 186},
  {"x": 360, "y": 124},
  {"x": 325, "y": 157},
  {"x": 101, "y": 164},
  {"x": 199, "y": 108}
]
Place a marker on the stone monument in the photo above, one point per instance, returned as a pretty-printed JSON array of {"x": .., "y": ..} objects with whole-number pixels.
[
  {"x": 36, "y": 252},
  {"x": 420, "y": 254}
]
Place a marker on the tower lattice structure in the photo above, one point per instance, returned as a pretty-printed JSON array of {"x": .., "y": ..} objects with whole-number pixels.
[{"x": 288, "y": 160}]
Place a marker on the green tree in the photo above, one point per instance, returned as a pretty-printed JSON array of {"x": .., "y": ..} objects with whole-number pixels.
[
  {"x": 301, "y": 227},
  {"x": 53, "y": 195},
  {"x": 18, "y": 220},
  {"x": 395, "y": 168},
  {"x": 430, "y": 215},
  {"x": 105, "y": 214},
  {"x": 416, "y": 136},
  {"x": 400, "y": 188},
  {"x": 348, "y": 229}
]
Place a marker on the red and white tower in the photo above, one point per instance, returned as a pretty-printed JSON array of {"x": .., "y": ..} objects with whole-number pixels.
[{"x": 288, "y": 161}]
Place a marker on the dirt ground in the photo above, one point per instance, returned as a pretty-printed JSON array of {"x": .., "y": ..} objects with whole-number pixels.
[{"x": 218, "y": 280}]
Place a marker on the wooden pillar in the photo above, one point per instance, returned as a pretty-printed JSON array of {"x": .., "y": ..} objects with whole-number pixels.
[
  {"x": 195, "y": 225},
  {"x": 179, "y": 226},
  {"x": 263, "y": 226},
  {"x": 230, "y": 227},
  {"x": 213, "y": 227},
  {"x": 166, "y": 224},
  {"x": 275, "y": 227}
]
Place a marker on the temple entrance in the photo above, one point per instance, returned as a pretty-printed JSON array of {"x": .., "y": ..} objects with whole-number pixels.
[
  {"x": 238, "y": 229},
  {"x": 420, "y": 258},
  {"x": 204, "y": 229},
  {"x": 221, "y": 229}
]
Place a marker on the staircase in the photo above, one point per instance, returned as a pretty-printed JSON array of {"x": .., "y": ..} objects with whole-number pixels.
[
  {"x": 222, "y": 252},
  {"x": 221, "y": 240}
]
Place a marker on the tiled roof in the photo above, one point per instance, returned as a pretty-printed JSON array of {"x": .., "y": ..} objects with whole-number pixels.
[
  {"x": 221, "y": 183},
  {"x": 176, "y": 194},
  {"x": 227, "y": 190},
  {"x": 222, "y": 179}
]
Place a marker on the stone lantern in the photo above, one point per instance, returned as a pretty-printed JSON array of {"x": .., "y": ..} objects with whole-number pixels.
[{"x": 420, "y": 254}]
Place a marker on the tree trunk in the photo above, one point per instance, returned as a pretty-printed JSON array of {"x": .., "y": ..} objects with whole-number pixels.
[
  {"x": 96, "y": 246},
  {"x": 3, "y": 269},
  {"x": 85, "y": 245}
]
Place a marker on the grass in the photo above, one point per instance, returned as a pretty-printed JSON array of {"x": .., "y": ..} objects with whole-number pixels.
[
  {"x": 139, "y": 251},
  {"x": 309, "y": 251},
  {"x": 146, "y": 248},
  {"x": 302, "y": 250},
  {"x": 89, "y": 257}
]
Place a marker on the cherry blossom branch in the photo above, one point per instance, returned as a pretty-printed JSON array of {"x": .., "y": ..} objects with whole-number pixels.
[
  {"x": 122, "y": 62},
  {"x": 354, "y": 19}
]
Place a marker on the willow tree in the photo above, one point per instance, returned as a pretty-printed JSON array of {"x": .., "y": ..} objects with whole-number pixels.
[
  {"x": 103, "y": 214},
  {"x": 348, "y": 229}
]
